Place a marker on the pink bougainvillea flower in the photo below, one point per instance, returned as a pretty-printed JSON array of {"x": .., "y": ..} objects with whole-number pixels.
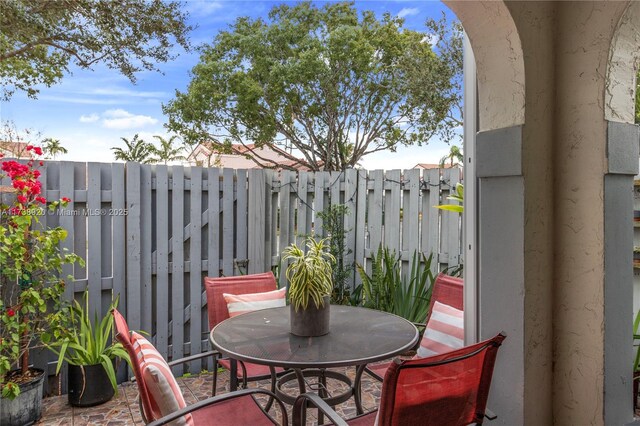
[{"x": 10, "y": 312}]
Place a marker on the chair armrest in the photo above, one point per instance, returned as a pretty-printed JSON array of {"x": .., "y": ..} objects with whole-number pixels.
[
  {"x": 193, "y": 358},
  {"x": 209, "y": 401},
  {"x": 300, "y": 406}
]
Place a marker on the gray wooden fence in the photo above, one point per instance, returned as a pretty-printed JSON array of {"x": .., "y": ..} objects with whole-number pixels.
[{"x": 152, "y": 233}]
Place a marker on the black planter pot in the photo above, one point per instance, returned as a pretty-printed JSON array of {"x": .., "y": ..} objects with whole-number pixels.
[
  {"x": 312, "y": 321},
  {"x": 88, "y": 385},
  {"x": 26, "y": 409}
]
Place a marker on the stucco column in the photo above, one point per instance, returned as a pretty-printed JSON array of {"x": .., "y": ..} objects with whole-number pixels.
[{"x": 582, "y": 188}]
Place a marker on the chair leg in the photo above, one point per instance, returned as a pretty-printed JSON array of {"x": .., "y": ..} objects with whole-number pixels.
[
  {"x": 273, "y": 388},
  {"x": 244, "y": 375},
  {"x": 215, "y": 376}
]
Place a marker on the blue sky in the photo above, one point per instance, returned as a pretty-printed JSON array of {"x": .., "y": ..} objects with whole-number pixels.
[{"x": 89, "y": 111}]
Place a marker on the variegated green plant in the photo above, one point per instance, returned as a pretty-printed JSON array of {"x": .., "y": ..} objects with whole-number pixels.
[
  {"x": 309, "y": 273},
  {"x": 458, "y": 196},
  {"x": 79, "y": 341}
]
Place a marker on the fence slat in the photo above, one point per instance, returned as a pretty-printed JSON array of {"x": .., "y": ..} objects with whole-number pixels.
[
  {"x": 392, "y": 210},
  {"x": 134, "y": 246},
  {"x": 434, "y": 214},
  {"x": 286, "y": 224},
  {"x": 350, "y": 198},
  {"x": 213, "y": 227},
  {"x": 361, "y": 217},
  {"x": 376, "y": 209},
  {"x": 94, "y": 244},
  {"x": 177, "y": 267},
  {"x": 195, "y": 257},
  {"x": 301, "y": 211},
  {"x": 411, "y": 211},
  {"x": 453, "y": 226},
  {"x": 256, "y": 222},
  {"x": 318, "y": 201},
  {"x": 162, "y": 259},
  {"x": 227, "y": 222},
  {"x": 146, "y": 321},
  {"x": 241, "y": 221}
]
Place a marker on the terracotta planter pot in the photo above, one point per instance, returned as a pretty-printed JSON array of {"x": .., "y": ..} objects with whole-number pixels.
[
  {"x": 26, "y": 409},
  {"x": 312, "y": 321}
]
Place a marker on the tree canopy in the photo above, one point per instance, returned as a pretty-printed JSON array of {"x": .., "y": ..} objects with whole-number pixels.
[
  {"x": 328, "y": 84},
  {"x": 40, "y": 38}
]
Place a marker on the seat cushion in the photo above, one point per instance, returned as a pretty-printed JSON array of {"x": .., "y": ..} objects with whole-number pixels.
[
  {"x": 242, "y": 303},
  {"x": 163, "y": 389},
  {"x": 253, "y": 370},
  {"x": 444, "y": 332},
  {"x": 243, "y": 410}
]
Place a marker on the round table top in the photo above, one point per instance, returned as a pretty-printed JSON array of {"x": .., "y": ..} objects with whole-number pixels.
[{"x": 357, "y": 336}]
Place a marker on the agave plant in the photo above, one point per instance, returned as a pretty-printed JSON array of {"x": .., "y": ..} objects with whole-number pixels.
[
  {"x": 80, "y": 341},
  {"x": 309, "y": 273}
]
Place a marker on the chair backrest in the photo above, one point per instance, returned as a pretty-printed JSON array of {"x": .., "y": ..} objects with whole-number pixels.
[
  {"x": 449, "y": 389},
  {"x": 123, "y": 335},
  {"x": 447, "y": 290},
  {"x": 243, "y": 284}
]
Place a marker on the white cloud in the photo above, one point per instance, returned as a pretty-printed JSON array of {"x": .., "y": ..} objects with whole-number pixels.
[
  {"x": 432, "y": 39},
  {"x": 203, "y": 8},
  {"x": 408, "y": 11},
  {"x": 91, "y": 118},
  {"x": 126, "y": 92},
  {"x": 121, "y": 119}
]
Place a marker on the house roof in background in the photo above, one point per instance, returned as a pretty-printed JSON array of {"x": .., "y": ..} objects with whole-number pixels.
[{"x": 14, "y": 149}]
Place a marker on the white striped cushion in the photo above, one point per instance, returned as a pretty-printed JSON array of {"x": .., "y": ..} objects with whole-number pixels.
[
  {"x": 242, "y": 303},
  {"x": 164, "y": 392},
  {"x": 444, "y": 332}
]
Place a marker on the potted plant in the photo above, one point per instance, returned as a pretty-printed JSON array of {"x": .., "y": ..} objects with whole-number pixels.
[
  {"x": 30, "y": 267},
  {"x": 89, "y": 349},
  {"x": 310, "y": 286}
]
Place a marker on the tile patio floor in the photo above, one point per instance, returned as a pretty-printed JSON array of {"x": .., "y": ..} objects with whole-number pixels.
[{"x": 123, "y": 408}]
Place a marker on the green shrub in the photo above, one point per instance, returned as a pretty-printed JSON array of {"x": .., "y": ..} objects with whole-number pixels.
[{"x": 386, "y": 289}]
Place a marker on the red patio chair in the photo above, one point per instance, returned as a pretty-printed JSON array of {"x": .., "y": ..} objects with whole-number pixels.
[
  {"x": 447, "y": 290},
  {"x": 230, "y": 409},
  {"x": 443, "y": 390},
  {"x": 218, "y": 312}
]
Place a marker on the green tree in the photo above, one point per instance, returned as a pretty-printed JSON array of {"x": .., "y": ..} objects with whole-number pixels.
[
  {"x": 40, "y": 38},
  {"x": 454, "y": 156},
  {"x": 53, "y": 147},
  {"x": 328, "y": 83},
  {"x": 136, "y": 150},
  {"x": 166, "y": 152}
]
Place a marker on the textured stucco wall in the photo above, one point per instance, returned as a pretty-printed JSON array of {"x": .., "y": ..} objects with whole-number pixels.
[
  {"x": 497, "y": 50},
  {"x": 563, "y": 67},
  {"x": 535, "y": 24},
  {"x": 583, "y": 34},
  {"x": 623, "y": 63}
]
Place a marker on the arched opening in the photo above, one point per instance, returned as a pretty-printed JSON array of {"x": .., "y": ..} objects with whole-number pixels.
[{"x": 494, "y": 198}]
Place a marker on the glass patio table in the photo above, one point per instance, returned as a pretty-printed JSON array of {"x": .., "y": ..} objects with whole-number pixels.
[{"x": 357, "y": 337}]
